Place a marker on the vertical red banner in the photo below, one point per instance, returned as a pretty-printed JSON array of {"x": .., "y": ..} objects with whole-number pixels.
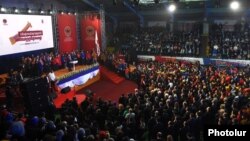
[
  {"x": 90, "y": 25},
  {"x": 67, "y": 32}
]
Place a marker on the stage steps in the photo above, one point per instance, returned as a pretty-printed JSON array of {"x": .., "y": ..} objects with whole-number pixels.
[{"x": 113, "y": 77}]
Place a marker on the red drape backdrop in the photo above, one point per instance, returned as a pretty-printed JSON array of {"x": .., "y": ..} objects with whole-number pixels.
[
  {"x": 90, "y": 23},
  {"x": 67, "y": 32}
]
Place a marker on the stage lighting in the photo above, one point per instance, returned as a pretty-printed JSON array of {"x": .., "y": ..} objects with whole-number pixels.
[
  {"x": 171, "y": 8},
  {"x": 3, "y": 9},
  {"x": 29, "y": 11},
  {"x": 41, "y": 12},
  {"x": 16, "y": 10},
  {"x": 235, "y": 5},
  {"x": 50, "y": 11}
]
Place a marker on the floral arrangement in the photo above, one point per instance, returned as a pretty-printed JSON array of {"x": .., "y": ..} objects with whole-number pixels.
[{"x": 77, "y": 71}]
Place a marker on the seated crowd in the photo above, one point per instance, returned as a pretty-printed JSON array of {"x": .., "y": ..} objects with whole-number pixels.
[
  {"x": 230, "y": 44},
  {"x": 173, "y": 102},
  {"x": 223, "y": 43},
  {"x": 157, "y": 41}
]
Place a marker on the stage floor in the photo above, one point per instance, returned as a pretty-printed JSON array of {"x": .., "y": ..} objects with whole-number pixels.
[{"x": 61, "y": 98}]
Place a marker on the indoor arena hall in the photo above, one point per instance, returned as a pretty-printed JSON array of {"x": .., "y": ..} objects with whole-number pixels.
[{"x": 124, "y": 70}]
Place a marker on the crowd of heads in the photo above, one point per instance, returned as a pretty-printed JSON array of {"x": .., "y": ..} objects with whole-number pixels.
[
  {"x": 230, "y": 44},
  {"x": 43, "y": 63},
  {"x": 223, "y": 42},
  {"x": 157, "y": 41},
  {"x": 38, "y": 65},
  {"x": 174, "y": 101}
]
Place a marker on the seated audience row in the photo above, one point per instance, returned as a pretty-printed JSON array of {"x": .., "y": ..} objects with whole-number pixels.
[{"x": 222, "y": 43}]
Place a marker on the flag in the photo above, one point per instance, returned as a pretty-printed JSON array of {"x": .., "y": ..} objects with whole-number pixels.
[{"x": 98, "y": 52}]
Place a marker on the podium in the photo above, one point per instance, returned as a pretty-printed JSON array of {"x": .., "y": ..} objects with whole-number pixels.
[{"x": 74, "y": 64}]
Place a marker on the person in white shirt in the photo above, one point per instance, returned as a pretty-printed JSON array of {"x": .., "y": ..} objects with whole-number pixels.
[{"x": 52, "y": 80}]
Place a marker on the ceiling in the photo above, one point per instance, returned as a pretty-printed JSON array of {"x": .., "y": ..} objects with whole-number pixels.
[{"x": 149, "y": 9}]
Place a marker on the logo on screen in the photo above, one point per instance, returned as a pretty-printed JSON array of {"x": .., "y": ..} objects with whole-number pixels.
[
  {"x": 4, "y": 22},
  {"x": 67, "y": 31},
  {"x": 25, "y": 35}
]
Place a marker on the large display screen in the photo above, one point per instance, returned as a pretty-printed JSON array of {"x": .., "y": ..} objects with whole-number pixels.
[{"x": 23, "y": 33}]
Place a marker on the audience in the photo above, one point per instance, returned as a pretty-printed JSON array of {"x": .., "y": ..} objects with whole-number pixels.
[
  {"x": 41, "y": 64},
  {"x": 230, "y": 44},
  {"x": 223, "y": 43},
  {"x": 157, "y": 41},
  {"x": 174, "y": 100}
]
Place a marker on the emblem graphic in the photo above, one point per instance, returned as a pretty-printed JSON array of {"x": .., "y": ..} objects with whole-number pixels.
[
  {"x": 90, "y": 31},
  {"x": 67, "y": 31}
]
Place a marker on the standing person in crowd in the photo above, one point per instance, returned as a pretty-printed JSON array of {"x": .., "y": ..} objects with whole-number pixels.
[
  {"x": 82, "y": 57},
  {"x": 88, "y": 58},
  {"x": 52, "y": 81}
]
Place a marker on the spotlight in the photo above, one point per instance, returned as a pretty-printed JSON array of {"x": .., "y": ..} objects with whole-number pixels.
[
  {"x": 16, "y": 10},
  {"x": 29, "y": 11},
  {"x": 42, "y": 12},
  {"x": 3, "y": 9},
  {"x": 50, "y": 11},
  {"x": 235, "y": 5},
  {"x": 171, "y": 8}
]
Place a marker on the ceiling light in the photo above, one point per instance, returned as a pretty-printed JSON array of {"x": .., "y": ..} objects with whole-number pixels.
[{"x": 171, "y": 8}]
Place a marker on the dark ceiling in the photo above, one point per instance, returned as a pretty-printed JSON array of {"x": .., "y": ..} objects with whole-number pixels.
[
  {"x": 150, "y": 9},
  {"x": 147, "y": 8}
]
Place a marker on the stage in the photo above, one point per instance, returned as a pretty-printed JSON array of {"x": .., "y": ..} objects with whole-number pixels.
[{"x": 81, "y": 77}]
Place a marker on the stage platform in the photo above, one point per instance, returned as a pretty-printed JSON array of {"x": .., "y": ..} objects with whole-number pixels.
[{"x": 81, "y": 77}]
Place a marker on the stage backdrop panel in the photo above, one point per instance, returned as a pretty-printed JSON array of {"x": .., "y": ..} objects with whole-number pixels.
[
  {"x": 67, "y": 32},
  {"x": 23, "y": 33},
  {"x": 90, "y": 25}
]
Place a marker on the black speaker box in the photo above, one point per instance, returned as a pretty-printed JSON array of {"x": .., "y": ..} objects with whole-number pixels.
[
  {"x": 35, "y": 95},
  {"x": 65, "y": 90}
]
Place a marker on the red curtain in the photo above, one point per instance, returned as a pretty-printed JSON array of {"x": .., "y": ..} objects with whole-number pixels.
[
  {"x": 90, "y": 24},
  {"x": 67, "y": 33}
]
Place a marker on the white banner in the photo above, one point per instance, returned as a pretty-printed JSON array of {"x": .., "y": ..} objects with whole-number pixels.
[
  {"x": 80, "y": 80},
  {"x": 22, "y": 33}
]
